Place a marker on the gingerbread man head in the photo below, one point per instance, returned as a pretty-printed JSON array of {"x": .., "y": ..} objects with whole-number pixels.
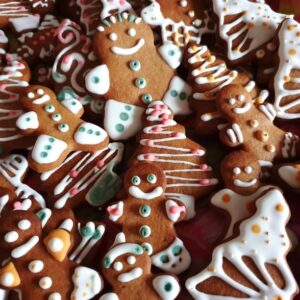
[
  {"x": 241, "y": 171},
  {"x": 145, "y": 181}
]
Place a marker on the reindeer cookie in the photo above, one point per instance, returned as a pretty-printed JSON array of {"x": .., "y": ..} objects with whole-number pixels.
[
  {"x": 251, "y": 127},
  {"x": 180, "y": 22},
  {"x": 58, "y": 127},
  {"x": 128, "y": 79},
  {"x": 164, "y": 142},
  {"x": 127, "y": 267},
  {"x": 39, "y": 266},
  {"x": 253, "y": 264},
  {"x": 147, "y": 217}
]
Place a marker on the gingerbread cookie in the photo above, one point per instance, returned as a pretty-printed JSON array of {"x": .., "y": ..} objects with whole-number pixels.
[
  {"x": 115, "y": 7},
  {"x": 286, "y": 81},
  {"x": 58, "y": 128},
  {"x": 127, "y": 267},
  {"x": 253, "y": 264},
  {"x": 14, "y": 78},
  {"x": 145, "y": 184},
  {"x": 180, "y": 22},
  {"x": 83, "y": 177},
  {"x": 125, "y": 46},
  {"x": 36, "y": 256},
  {"x": 288, "y": 176},
  {"x": 245, "y": 26},
  {"x": 241, "y": 173},
  {"x": 163, "y": 142},
  {"x": 208, "y": 74},
  {"x": 251, "y": 127}
]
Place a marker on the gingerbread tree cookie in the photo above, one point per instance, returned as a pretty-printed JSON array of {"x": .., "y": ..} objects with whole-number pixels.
[
  {"x": 58, "y": 127},
  {"x": 147, "y": 217},
  {"x": 244, "y": 26},
  {"x": 180, "y": 22},
  {"x": 36, "y": 256},
  {"x": 208, "y": 74},
  {"x": 163, "y": 142},
  {"x": 251, "y": 127},
  {"x": 127, "y": 267},
  {"x": 252, "y": 265},
  {"x": 125, "y": 46}
]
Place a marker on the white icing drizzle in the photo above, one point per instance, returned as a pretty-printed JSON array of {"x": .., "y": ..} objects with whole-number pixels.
[
  {"x": 130, "y": 275},
  {"x": 136, "y": 192},
  {"x": 290, "y": 175},
  {"x": 25, "y": 248}
]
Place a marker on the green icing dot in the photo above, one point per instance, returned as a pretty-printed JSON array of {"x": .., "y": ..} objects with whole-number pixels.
[
  {"x": 96, "y": 79},
  {"x": 135, "y": 180},
  {"x": 98, "y": 133},
  {"x": 120, "y": 127},
  {"x": 138, "y": 249},
  {"x": 48, "y": 147},
  {"x": 106, "y": 262},
  {"x": 176, "y": 250},
  {"x": 135, "y": 65},
  {"x": 171, "y": 53},
  {"x": 164, "y": 259},
  {"x": 140, "y": 83},
  {"x": 81, "y": 129},
  {"x": 44, "y": 154},
  {"x": 147, "y": 98},
  {"x": 97, "y": 235},
  {"x": 168, "y": 287},
  {"x": 128, "y": 107},
  {"x": 145, "y": 210},
  {"x": 51, "y": 140},
  {"x": 41, "y": 215},
  {"x": 86, "y": 232},
  {"x": 73, "y": 103},
  {"x": 182, "y": 96},
  {"x": 145, "y": 231},
  {"x": 90, "y": 131},
  {"x": 174, "y": 93},
  {"x": 124, "y": 116}
]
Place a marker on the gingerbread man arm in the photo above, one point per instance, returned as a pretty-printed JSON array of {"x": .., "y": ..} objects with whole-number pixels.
[
  {"x": 175, "y": 210},
  {"x": 268, "y": 111},
  {"x": 97, "y": 80},
  {"x": 232, "y": 135}
]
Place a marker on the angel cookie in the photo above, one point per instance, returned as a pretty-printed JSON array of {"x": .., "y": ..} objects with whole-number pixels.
[
  {"x": 58, "y": 128},
  {"x": 164, "y": 142},
  {"x": 128, "y": 78},
  {"x": 253, "y": 264},
  {"x": 147, "y": 217},
  {"x": 127, "y": 267},
  {"x": 251, "y": 127},
  {"x": 180, "y": 22}
]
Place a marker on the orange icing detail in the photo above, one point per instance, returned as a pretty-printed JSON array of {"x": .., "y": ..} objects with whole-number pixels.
[
  {"x": 292, "y": 52},
  {"x": 279, "y": 207},
  {"x": 10, "y": 268},
  {"x": 256, "y": 228},
  {"x": 226, "y": 198}
]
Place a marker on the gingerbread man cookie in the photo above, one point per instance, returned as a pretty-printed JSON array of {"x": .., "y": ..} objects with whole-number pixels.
[
  {"x": 164, "y": 142},
  {"x": 251, "y": 127},
  {"x": 58, "y": 128},
  {"x": 241, "y": 172},
  {"x": 253, "y": 264},
  {"x": 208, "y": 73},
  {"x": 180, "y": 22},
  {"x": 147, "y": 217},
  {"x": 125, "y": 46},
  {"x": 127, "y": 267},
  {"x": 36, "y": 256}
]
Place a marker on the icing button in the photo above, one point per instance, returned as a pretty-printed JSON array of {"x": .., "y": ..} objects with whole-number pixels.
[
  {"x": 145, "y": 231},
  {"x": 140, "y": 83}
]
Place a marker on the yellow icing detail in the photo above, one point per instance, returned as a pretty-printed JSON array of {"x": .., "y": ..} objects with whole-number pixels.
[{"x": 11, "y": 270}]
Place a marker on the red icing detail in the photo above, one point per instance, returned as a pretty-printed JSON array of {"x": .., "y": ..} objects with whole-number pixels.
[
  {"x": 176, "y": 209},
  {"x": 100, "y": 164},
  {"x": 74, "y": 191},
  {"x": 17, "y": 205},
  {"x": 204, "y": 181},
  {"x": 114, "y": 211},
  {"x": 150, "y": 157},
  {"x": 74, "y": 173}
]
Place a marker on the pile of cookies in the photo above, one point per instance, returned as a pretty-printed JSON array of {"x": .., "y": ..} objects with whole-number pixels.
[{"x": 120, "y": 119}]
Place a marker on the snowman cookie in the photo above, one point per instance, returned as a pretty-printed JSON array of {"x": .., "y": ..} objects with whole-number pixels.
[
  {"x": 127, "y": 267},
  {"x": 128, "y": 76},
  {"x": 58, "y": 128},
  {"x": 147, "y": 217}
]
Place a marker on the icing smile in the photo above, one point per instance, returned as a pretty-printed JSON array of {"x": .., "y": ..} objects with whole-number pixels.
[
  {"x": 242, "y": 110},
  {"x": 136, "y": 192},
  {"x": 129, "y": 51},
  {"x": 131, "y": 275},
  {"x": 241, "y": 183}
]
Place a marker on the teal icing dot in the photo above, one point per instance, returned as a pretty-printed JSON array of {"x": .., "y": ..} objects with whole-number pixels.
[
  {"x": 174, "y": 93},
  {"x": 164, "y": 259},
  {"x": 86, "y": 231},
  {"x": 182, "y": 96},
  {"x": 136, "y": 180},
  {"x": 120, "y": 127},
  {"x": 48, "y": 147},
  {"x": 27, "y": 119},
  {"x": 49, "y": 108},
  {"x": 151, "y": 178},
  {"x": 148, "y": 248},
  {"x": 124, "y": 116},
  {"x": 168, "y": 287},
  {"x": 51, "y": 140},
  {"x": 140, "y": 82},
  {"x": 106, "y": 262},
  {"x": 90, "y": 131},
  {"x": 176, "y": 250},
  {"x": 147, "y": 98},
  {"x": 96, "y": 79},
  {"x": 81, "y": 129},
  {"x": 128, "y": 107},
  {"x": 44, "y": 154},
  {"x": 41, "y": 215},
  {"x": 98, "y": 133},
  {"x": 73, "y": 103},
  {"x": 145, "y": 211},
  {"x": 135, "y": 65},
  {"x": 138, "y": 249},
  {"x": 171, "y": 52},
  {"x": 97, "y": 235},
  {"x": 145, "y": 231}
]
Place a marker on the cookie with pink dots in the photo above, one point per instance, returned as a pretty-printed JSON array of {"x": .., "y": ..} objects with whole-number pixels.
[
  {"x": 251, "y": 127},
  {"x": 58, "y": 128},
  {"x": 127, "y": 268},
  {"x": 38, "y": 247},
  {"x": 147, "y": 217},
  {"x": 124, "y": 44},
  {"x": 253, "y": 263}
]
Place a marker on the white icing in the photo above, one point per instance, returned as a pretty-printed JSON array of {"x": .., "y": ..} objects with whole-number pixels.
[
  {"x": 97, "y": 80},
  {"x": 174, "y": 210},
  {"x": 173, "y": 60},
  {"x": 3, "y": 201},
  {"x": 118, "y": 266},
  {"x": 89, "y": 134},
  {"x": 36, "y": 266},
  {"x": 11, "y": 237},
  {"x": 25, "y": 248},
  {"x": 130, "y": 275},
  {"x": 116, "y": 211},
  {"x": 27, "y": 121},
  {"x": 131, "y": 260},
  {"x": 55, "y": 245},
  {"x": 45, "y": 283},
  {"x": 119, "y": 6},
  {"x": 136, "y": 192},
  {"x": 243, "y": 109},
  {"x": 109, "y": 296},
  {"x": 54, "y": 296},
  {"x": 159, "y": 283},
  {"x": 7, "y": 279},
  {"x": 128, "y": 51},
  {"x": 290, "y": 175},
  {"x": 67, "y": 225},
  {"x": 240, "y": 183},
  {"x": 24, "y": 224},
  {"x": 73, "y": 105}
]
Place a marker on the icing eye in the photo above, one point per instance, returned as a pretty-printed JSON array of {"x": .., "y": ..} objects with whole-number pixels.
[
  {"x": 56, "y": 117},
  {"x": 118, "y": 266},
  {"x": 49, "y": 108},
  {"x": 231, "y": 101},
  {"x": 164, "y": 259},
  {"x": 241, "y": 98},
  {"x": 24, "y": 225},
  {"x": 145, "y": 211},
  {"x": 106, "y": 262},
  {"x": 63, "y": 127},
  {"x": 40, "y": 92},
  {"x": 248, "y": 170},
  {"x": 30, "y": 95},
  {"x": 113, "y": 36},
  {"x": 176, "y": 250},
  {"x": 11, "y": 237},
  {"x": 147, "y": 98},
  {"x": 148, "y": 248},
  {"x": 135, "y": 65},
  {"x": 138, "y": 249},
  {"x": 151, "y": 178},
  {"x": 136, "y": 180},
  {"x": 131, "y": 260},
  {"x": 132, "y": 32},
  {"x": 236, "y": 171}
]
